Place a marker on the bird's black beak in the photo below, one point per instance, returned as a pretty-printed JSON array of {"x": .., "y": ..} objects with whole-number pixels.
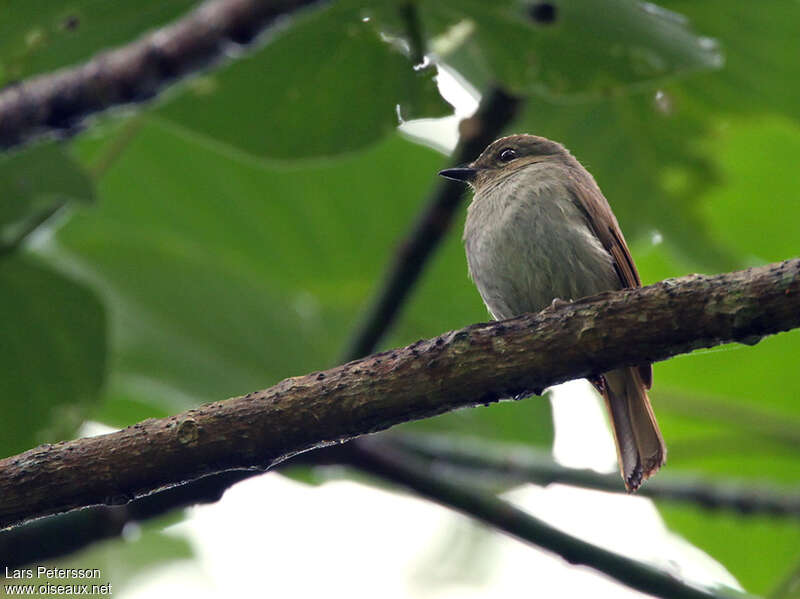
[{"x": 459, "y": 174}]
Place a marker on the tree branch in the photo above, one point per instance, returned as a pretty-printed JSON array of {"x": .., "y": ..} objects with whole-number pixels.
[
  {"x": 414, "y": 36},
  {"x": 384, "y": 461},
  {"x": 522, "y": 464},
  {"x": 476, "y": 365},
  {"x": 59, "y": 101}
]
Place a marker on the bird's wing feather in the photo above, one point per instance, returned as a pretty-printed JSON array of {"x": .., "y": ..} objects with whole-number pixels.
[{"x": 604, "y": 224}]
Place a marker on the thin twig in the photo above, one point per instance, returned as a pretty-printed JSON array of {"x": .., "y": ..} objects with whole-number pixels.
[
  {"x": 414, "y": 36},
  {"x": 523, "y": 464},
  {"x": 32, "y": 224},
  {"x": 63, "y": 534},
  {"x": 788, "y": 587},
  {"x": 404, "y": 469},
  {"x": 114, "y": 150},
  {"x": 754, "y": 420},
  {"x": 496, "y": 112}
]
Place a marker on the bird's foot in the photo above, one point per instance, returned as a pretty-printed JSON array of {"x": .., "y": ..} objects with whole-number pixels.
[
  {"x": 558, "y": 303},
  {"x": 599, "y": 383}
]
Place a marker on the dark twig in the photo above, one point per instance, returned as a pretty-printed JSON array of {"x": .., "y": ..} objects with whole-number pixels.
[
  {"x": 58, "y": 102},
  {"x": 496, "y": 112},
  {"x": 755, "y": 420},
  {"x": 402, "y": 468},
  {"x": 30, "y": 226},
  {"x": 787, "y": 588},
  {"x": 416, "y": 40},
  {"x": 523, "y": 464},
  {"x": 63, "y": 534}
]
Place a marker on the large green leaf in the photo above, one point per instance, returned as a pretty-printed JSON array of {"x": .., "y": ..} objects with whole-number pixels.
[
  {"x": 327, "y": 85},
  {"x": 583, "y": 48},
  {"x": 758, "y": 39},
  {"x": 640, "y": 141},
  {"x": 223, "y": 274},
  {"x": 646, "y": 162},
  {"x": 34, "y": 182},
  {"x": 646, "y": 148},
  {"x": 756, "y": 212},
  {"x": 40, "y": 35},
  {"x": 760, "y": 551},
  {"x": 53, "y": 355}
]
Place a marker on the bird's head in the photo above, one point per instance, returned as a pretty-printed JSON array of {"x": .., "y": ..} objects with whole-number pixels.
[{"x": 504, "y": 157}]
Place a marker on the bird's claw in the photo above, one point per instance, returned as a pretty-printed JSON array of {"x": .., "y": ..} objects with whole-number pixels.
[{"x": 558, "y": 303}]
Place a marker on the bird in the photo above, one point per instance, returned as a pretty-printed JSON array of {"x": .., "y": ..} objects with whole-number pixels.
[{"x": 539, "y": 232}]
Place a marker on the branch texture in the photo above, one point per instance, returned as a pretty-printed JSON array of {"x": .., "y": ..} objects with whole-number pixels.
[
  {"x": 61, "y": 100},
  {"x": 476, "y": 365}
]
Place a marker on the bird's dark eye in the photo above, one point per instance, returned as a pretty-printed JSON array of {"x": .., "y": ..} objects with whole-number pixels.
[{"x": 507, "y": 155}]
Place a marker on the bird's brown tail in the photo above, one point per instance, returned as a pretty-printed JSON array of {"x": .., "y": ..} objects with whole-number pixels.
[{"x": 640, "y": 447}]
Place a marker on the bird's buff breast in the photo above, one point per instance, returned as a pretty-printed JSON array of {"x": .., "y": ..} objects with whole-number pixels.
[{"x": 527, "y": 242}]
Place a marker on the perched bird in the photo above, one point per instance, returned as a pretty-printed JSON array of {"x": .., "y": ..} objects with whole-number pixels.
[{"x": 539, "y": 230}]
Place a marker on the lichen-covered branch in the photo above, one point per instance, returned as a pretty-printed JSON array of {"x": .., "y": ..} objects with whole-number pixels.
[
  {"x": 476, "y": 365},
  {"x": 59, "y": 101}
]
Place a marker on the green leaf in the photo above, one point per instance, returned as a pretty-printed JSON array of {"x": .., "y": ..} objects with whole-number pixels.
[
  {"x": 589, "y": 48},
  {"x": 34, "y": 182},
  {"x": 754, "y": 36},
  {"x": 327, "y": 85},
  {"x": 760, "y": 551},
  {"x": 528, "y": 421},
  {"x": 53, "y": 357},
  {"x": 40, "y": 36},
  {"x": 733, "y": 410},
  {"x": 224, "y": 275},
  {"x": 647, "y": 163},
  {"x": 756, "y": 212}
]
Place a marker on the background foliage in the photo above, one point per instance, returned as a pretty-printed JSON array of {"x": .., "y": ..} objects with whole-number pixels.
[{"x": 228, "y": 236}]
